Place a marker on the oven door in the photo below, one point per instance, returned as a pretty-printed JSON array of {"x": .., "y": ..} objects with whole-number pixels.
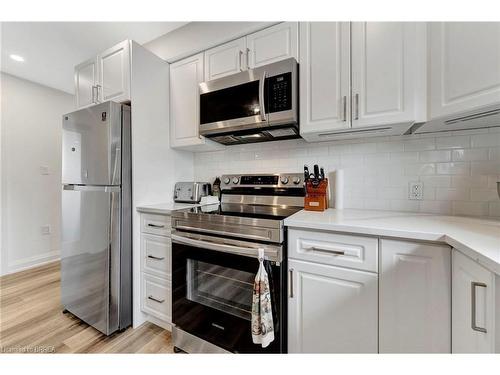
[{"x": 212, "y": 293}]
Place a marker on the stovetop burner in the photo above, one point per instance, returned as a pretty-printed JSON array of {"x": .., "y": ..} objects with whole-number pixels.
[
  {"x": 247, "y": 210},
  {"x": 252, "y": 207}
]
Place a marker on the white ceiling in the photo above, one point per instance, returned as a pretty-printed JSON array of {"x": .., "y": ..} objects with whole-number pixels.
[{"x": 52, "y": 49}]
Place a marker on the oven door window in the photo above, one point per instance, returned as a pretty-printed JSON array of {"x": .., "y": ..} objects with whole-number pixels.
[
  {"x": 231, "y": 103},
  {"x": 222, "y": 288}
]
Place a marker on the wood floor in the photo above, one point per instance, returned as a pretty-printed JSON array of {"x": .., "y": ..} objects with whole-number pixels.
[{"x": 31, "y": 320}]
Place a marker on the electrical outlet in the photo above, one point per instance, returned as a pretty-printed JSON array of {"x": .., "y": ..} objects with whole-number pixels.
[
  {"x": 45, "y": 229},
  {"x": 415, "y": 190}
]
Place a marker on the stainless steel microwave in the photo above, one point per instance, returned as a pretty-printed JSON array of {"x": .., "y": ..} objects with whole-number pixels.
[{"x": 255, "y": 105}]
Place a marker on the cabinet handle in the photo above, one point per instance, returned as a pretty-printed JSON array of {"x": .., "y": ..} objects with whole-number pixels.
[
  {"x": 344, "y": 108},
  {"x": 336, "y": 252},
  {"x": 473, "y": 286},
  {"x": 155, "y": 258},
  {"x": 156, "y": 300},
  {"x": 241, "y": 63},
  {"x": 356, "y": 106},
  {"x": 98, "y": 87},
  {"x": 156, "y": 226},
  {"x": 248, "y": 58},
  {"x": 93, "y": 94},
  {"x": 291, "y": 282}
]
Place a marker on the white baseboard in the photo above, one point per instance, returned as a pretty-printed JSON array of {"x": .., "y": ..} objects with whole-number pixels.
[
  {"x": 159, "y": 323},
  {"x": 34, "y": 261}
]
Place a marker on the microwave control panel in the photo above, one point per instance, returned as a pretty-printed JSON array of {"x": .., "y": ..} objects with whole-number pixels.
[{"x": 279, "y": 91}]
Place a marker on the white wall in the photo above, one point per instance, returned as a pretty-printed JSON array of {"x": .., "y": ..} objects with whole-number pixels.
[
  {"x": 459, "y": 170},
  {"x": 199, "y": 36},
  {"x": 31, "y": 138}
]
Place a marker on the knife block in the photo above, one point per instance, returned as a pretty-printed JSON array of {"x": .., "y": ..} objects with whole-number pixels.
[{"x": 316, "y": 198}]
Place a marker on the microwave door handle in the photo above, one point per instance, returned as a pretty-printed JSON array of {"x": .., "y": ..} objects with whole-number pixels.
[{"x": 262, "y": 106}]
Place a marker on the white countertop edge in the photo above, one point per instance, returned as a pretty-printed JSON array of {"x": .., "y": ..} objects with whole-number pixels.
[
  {"x": 474, "y": 252},
  {"x": 164, "y": 208}
]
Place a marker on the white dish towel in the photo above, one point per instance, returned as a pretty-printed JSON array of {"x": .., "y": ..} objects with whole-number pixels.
[{"x": 262, "y": 312}]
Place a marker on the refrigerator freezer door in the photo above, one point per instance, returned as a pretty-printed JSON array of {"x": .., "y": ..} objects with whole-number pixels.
[
  {"x": 90, "y": 265},
  {"x": 92, "y": 145}
]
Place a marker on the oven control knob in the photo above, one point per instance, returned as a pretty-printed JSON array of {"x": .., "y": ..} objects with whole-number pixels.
[
  {"x": 296, "y": 180},
  {"x": 284, "y": 180},
  {"x": 236, "y": 180},
  {"x": 227, "y": 180}
]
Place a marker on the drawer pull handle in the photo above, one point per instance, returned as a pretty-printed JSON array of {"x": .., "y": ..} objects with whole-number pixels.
[
  {"x": 156, "y": 225},
  {"x": 155, "y": 258},
  {"x": 473, "y": 306},
  {"x": 335, "y": 252},
  {"x": 156, "y": 300},
  {"x": 291, "y": 282}
]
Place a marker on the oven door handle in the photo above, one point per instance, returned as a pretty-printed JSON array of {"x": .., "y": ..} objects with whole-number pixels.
[
  {"x": 252, "y": 252},
  {"x": 220, "y": 232}
]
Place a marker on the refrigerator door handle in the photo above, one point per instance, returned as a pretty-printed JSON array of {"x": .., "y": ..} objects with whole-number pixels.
[{"x": 106, "y": 189}]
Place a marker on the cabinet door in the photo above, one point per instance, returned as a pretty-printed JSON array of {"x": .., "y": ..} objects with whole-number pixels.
[
  {"x": 114, "y": 73},
  {"x": 324, "y": 76},
  {"x": 331, "y": 309},
  {"x": 384, "y": 73},
  {"x": 185, "y": 76},
  {"x": 273, "y": 44},
  {"x": 465, "y": 66},
  {"x": 85, "y": 81},
  {"x": 415, "y": 297},
  {"x": 226, "y": 59},
  {"x": 472, "y": 283}
]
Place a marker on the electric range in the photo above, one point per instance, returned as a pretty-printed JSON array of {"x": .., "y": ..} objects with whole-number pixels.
[{"x": 214, "y": 263}]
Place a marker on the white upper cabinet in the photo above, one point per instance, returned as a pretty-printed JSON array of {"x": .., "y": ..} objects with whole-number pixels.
[
  {"x": 185, "y": 77},
  {"x": 385, "y": 73},
  {"x": 105, "y": 77},
  {"x": 114, "y": 73},
  {"x": 473, "y": 319},
  {"x": 85, "y": 83},
  {"x": 331, "y": 309},
  {"x": 465, "y": 66},
  {"x": 324, "y": 77},
  {"x": 415, "y": 297},
  {"x": 226, "y": 59},
  {"x": 273, "y": 44}
]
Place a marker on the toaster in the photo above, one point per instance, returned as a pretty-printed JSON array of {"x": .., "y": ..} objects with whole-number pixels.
[{"x": 191, "y": 192}]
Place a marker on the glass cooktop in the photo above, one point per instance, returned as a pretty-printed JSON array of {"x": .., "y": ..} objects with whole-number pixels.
[{"x": 247, "y": 210}]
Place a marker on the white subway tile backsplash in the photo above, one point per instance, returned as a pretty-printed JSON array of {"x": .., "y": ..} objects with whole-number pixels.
[
  {"x": 453, "y": 142},
  {"x": 442, "y": 181},
  {"x": 470, "y": 154},
  {"x": 435, "y": 156},
  {"x": 486, "y": 140},
  {"x": 485, "y": 168},
  {"x": 420, "y": 169},
  {"x": 452, "y": 194},
  {"x": 470, "y": 208},
  {"x": 458, "y": 170},
  {"x": 420, "y": 144}
]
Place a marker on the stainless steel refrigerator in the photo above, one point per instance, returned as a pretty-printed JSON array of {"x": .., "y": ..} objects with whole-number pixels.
[{"x": 96, "y": 265}]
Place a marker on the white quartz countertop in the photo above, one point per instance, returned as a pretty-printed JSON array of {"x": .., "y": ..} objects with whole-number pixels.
[
  {"x": 477, "y": 238},
  {"x": 165, "y": 208}
]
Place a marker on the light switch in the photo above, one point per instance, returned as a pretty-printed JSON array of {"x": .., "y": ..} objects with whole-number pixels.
[
  {"x": 45, "y": 229},
  {"x": 44, "y": 170}
]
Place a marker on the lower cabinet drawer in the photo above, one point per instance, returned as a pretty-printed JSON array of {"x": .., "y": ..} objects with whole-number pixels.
[
  {"x": 343, "y": 250},
  {"x": 156, "y": 297},
  {"x": 156, "y": 255},
  {"x": 156, "y": 224}
]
